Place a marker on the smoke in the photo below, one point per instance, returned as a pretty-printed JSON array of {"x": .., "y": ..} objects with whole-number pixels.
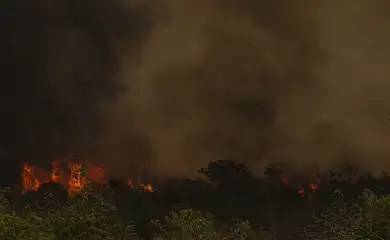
[
  {"x": 59, "y": 67},
  {"x": 343, "y": 120},
  {"x": 169, "y": 85},
  {"x": 262, "y": 81}
]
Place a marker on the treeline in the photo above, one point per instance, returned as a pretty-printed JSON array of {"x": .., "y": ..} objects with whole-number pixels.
[{"x": 228, "y": 204}]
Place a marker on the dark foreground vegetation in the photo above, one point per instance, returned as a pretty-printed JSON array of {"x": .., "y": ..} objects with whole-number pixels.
[{"x": 229, "y": 204}]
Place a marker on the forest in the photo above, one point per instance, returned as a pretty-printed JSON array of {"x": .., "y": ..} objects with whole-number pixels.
[
  {"x": 228, "y": 203},
  {"x": 165, "y": 86}
]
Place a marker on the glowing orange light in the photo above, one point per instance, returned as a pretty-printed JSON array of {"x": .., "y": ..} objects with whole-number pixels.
[
  {"x": 76, "y": 179},
  {"x": 29, "y": 181}
]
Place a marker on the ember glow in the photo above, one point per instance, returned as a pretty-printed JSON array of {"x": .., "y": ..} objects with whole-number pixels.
[
  {"x": 75, "y": 178},
  {"x": 313, "y": 185},
  {"x": 143, "y": 187},
  {"x": 147, "y": 187},
  {"x": 56, "y": 172},
  {"x": 29, "y": 181}
]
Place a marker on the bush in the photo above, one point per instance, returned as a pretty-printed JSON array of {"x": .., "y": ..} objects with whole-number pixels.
[
  {"x": 192, "y": 224},
  {"x": 367, "y": 217},
  {"x": 84, "y": 217},
  {"x": 88, "y": 217},
  {"x": 30, "y": 226},
  {"x": 92, "y": 217}
]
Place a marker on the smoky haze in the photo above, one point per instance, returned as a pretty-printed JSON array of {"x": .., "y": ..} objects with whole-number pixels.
[{"x": 166, "y": 86}]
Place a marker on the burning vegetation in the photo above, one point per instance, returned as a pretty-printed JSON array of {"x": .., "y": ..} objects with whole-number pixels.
[
  {"x": 29, "y": 181},
  {"x": 75, "y": 179},
  {"x": 313, "y": 185},
  {"x": 279, "y": 200}
]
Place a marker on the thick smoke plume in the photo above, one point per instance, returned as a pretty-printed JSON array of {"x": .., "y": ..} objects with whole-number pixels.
[
  {"x": 165, "y": 86},
  {"x": 59, "y": 72}
]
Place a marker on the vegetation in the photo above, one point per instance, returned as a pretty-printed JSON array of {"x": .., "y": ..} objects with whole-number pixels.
[
  {"x": 203, "y": 210},
  {"x": 367, "y": 217}
]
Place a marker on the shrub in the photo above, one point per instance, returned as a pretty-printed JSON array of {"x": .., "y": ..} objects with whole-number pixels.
[
  {"x": 192, "y": 224},
  {"x": 12, "y": 226},
  {"x": 88, "y": 216},
  {"x": 367, "y": 217}
]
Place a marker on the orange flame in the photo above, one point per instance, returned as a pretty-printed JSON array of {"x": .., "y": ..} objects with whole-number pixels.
[
  {"x": 314, "y": 185},
  {"x": 143, "y": 187},
  {"x": 30, "y": 182},
  {"x": 147, "y": 187},
  {"x": 76, "y": 179},
  {"x": 56, "y": 171}
]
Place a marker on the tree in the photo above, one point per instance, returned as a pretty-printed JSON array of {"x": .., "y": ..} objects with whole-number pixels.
[
  {"x": 192, "y": 224},
  {"x": 87, "y": 216},
  {"x": 366, "y": 217},
  {"x": 226, "y": 172}
]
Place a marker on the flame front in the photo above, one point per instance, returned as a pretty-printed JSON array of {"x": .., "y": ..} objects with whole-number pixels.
[
  {"x": 56, "y": 171},
  {"x": 76, "y": 179},
  {"x": 30, "y": 182}
]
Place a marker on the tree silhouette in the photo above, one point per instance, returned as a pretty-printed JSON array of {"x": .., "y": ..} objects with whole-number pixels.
[{"x": 226, "y": 172}]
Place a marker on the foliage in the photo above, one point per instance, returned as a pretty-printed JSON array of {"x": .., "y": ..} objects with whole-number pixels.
[
  {"x": 235, "y": 194},
  {"x": 187, "y": 224},
  {"x": 14, "y": 227},
  {"x": 88, "y": 216},
  {"x": 225, "y": 171},
  {"x": 367, "y": 217},
  {"x": 192, "y": 224}
]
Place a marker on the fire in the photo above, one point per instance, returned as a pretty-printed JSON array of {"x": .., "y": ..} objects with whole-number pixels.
[
  {"x": 30, "y": 182},
  {"x": 314, "y": 184},
  {"x": 56, "y": 172},
  {"x": 147, "y": 187},
  {"x": 77, "y": 179},
  {"x": 143, "y": 187}
]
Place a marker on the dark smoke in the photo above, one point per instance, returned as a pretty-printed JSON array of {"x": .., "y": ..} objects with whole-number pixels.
[
  {"x": 184, "y": 82},
  {"x": 60, "y": 60},
  {"x": 264, "y": 81}
]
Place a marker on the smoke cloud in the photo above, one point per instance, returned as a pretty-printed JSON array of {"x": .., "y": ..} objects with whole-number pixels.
[
  {"x": 59, "y": 71},
  {"x": 166, "y": 86}
]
